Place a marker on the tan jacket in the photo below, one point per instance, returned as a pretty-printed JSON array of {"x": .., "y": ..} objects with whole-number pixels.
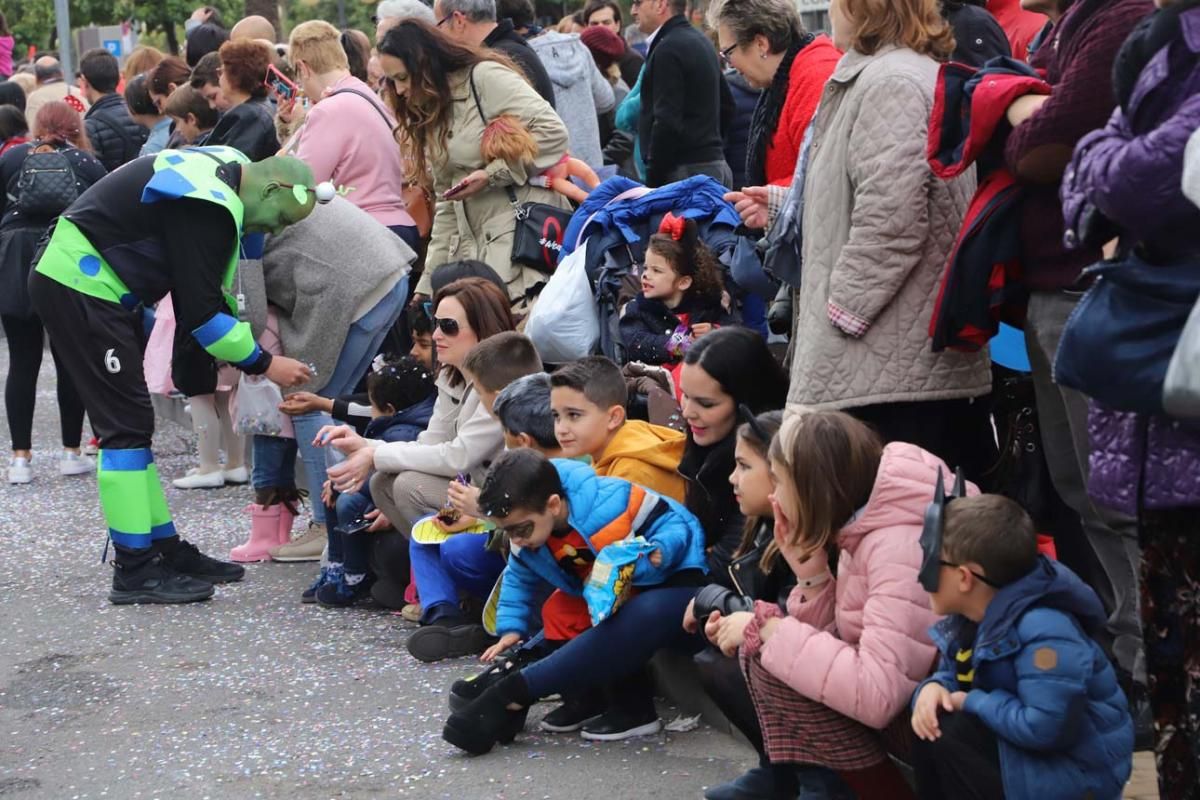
[
  {"x": 481, "y": 227},
  {"x": 878, "y": 228}
]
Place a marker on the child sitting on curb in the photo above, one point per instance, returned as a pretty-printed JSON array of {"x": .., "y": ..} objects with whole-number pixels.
[
  {"x": 402, "y": 397},
  {"x": 1024, "y": 703},
  {"x": 462, "y": 563},
  {"x": 835, "y": 668},
  {"x": 585, "y": 535},
  {"x": 588, "y": 401}
]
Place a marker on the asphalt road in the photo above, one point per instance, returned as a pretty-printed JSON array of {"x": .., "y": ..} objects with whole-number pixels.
[{"x": 251, "y": 694}]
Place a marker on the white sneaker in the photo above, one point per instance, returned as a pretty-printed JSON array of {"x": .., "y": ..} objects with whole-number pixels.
[
  {"x": 238, "y": 476},
  {"x": 19, "y": 471},
  {"x": 70, "y": 463},
  {"x": 195, "y": 479}
]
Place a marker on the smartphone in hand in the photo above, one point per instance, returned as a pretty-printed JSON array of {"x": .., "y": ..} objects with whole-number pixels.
[
  {"x": 279, "y": 85},
  {"x": 456, "y": 188}
]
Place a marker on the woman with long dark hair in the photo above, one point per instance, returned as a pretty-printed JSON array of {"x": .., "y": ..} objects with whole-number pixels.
[
  {"x": 444, "y": 96},
  {"x": 58, "y": 127}
]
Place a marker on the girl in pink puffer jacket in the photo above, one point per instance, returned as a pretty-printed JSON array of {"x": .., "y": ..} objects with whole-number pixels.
[{"x": 834, "y": 671}]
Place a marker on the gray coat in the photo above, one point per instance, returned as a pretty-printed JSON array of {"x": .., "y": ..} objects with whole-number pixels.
[
  {"x": 317, "y": 274},
  {"x": 878, "y": 228}
]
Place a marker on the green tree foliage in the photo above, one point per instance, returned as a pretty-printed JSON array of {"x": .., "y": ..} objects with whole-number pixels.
[{"x": 33, "y": 22}]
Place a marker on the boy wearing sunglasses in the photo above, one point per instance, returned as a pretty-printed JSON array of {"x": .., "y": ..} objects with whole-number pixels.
[
  {"x": 1024, "y": 703},
  {"x": 560, "y": 519}
]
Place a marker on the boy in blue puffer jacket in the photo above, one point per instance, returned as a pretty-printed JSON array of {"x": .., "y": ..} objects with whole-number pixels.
[
  {"x": 588, "y": 536},
  {"x": 1029, "y": 703}
]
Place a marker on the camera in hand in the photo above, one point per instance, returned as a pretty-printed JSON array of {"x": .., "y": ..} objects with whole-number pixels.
[{"x": 715, "y": 597}]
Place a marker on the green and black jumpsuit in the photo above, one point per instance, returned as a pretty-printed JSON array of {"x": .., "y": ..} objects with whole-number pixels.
[{"x": 171, "y": 222}]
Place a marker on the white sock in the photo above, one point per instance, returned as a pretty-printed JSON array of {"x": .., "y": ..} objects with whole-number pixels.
[{"x": 354, "y": 580}]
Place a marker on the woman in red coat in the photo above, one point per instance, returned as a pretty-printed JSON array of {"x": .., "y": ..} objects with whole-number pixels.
[{"x": 765, "y": 41}]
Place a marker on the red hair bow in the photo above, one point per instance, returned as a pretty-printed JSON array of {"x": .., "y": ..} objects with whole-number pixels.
[
  {"x": 75, "y": 103},
  {"x": 673, "y": 226}
]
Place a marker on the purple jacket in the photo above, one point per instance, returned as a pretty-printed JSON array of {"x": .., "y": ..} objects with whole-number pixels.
[{"x": 1130, "y": 170}]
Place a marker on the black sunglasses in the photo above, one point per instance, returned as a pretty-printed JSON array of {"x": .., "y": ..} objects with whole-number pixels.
[
  {"x": 952, "y": 565},
  {"x": 522, "y": 530},
  {"x": 447, "y": 325}
]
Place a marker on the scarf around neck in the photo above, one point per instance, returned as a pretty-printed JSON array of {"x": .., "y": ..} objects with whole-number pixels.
[{"x": 765, "y": 120}]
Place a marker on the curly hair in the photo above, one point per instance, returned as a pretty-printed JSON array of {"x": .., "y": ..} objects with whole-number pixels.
[
  {"x": 691, "y": 258},
  {"x": 244, "y": 64},
  {"x": 425, "y": 111}
]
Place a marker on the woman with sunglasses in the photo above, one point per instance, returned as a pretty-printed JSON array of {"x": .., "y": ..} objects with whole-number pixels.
[
  {"x": 444, "y": 94},
  {"x": 411, "y": 478},
  {"x": 765, "y": 41}
]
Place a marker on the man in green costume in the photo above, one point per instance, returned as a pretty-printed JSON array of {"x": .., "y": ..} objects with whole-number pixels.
[{"x": 172, "y": 222}]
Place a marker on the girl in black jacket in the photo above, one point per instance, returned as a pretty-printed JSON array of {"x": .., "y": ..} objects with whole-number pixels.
[{"x": 681, "y": 299}]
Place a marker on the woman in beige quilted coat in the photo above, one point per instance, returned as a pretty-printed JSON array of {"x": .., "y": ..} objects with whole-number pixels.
[
  {"x": 878, "y": 228},
  {"x": 441, "y": 92}
]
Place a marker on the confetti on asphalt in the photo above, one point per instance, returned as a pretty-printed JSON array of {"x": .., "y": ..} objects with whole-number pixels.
[{"x": 251, "y": 694}]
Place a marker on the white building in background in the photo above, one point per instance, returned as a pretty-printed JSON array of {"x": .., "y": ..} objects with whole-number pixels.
[{"x": 814, "y": 14}]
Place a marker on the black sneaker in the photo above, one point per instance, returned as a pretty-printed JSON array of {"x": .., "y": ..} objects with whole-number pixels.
[
  {"x": 185, "y": 558},
  {"x": 574, "y": 713},
  {"x": 151, "y": 580},
  {"x": 618, "y": 724},
  {"x": 437, "y": 642}
]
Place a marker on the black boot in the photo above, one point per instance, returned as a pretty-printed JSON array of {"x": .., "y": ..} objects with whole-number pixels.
[
  {"x": 185, "y": 558},
  {"x": 464, "y": 690},
  {"x": 487, "y": 719},
  {"x": 142, "y": 576}
]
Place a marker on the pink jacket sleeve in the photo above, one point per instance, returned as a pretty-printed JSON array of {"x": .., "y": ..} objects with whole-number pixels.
[{"x": 870, "y": 680}]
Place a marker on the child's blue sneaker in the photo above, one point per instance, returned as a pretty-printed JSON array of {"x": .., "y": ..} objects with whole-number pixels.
[
  {"x": 337, "y": 593},
  {"x": 323, "y": 577}
]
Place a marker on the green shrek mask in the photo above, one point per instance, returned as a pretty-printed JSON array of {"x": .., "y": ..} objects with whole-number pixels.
[{"x": 277, "y": 192}]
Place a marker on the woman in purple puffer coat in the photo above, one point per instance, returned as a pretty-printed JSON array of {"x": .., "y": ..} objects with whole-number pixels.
[{"x": 1125, "y": 180}]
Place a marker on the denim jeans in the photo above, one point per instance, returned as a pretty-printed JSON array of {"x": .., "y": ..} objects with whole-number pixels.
[
  {"x": 462, "y": 562},
  {"x": 362, "y": 342},
  {"x": 352, "y": 550}
]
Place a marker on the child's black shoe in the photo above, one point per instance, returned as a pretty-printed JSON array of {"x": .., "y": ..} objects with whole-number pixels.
[
  {"x": 487, "y": 719},
  {"x": 618, "y": 724},
  {"x": 575, "y": 711},
  {"x": 337, "y": 593},
  {"x": 445, "y": 639}
]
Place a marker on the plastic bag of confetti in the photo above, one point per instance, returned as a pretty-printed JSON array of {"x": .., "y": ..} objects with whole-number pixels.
[
  {"x": 611, "y": 581},
  {"x": 258, "y": 407}
]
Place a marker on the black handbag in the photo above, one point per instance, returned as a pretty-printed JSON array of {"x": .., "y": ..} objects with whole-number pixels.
[{"x": 538, "y": 235}]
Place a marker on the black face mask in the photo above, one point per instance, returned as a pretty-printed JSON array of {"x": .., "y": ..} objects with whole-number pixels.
[{"x": 931, "y": 533}]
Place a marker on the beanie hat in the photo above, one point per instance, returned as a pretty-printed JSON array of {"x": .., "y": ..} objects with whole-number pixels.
[{"x": 606, "y": 46}]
